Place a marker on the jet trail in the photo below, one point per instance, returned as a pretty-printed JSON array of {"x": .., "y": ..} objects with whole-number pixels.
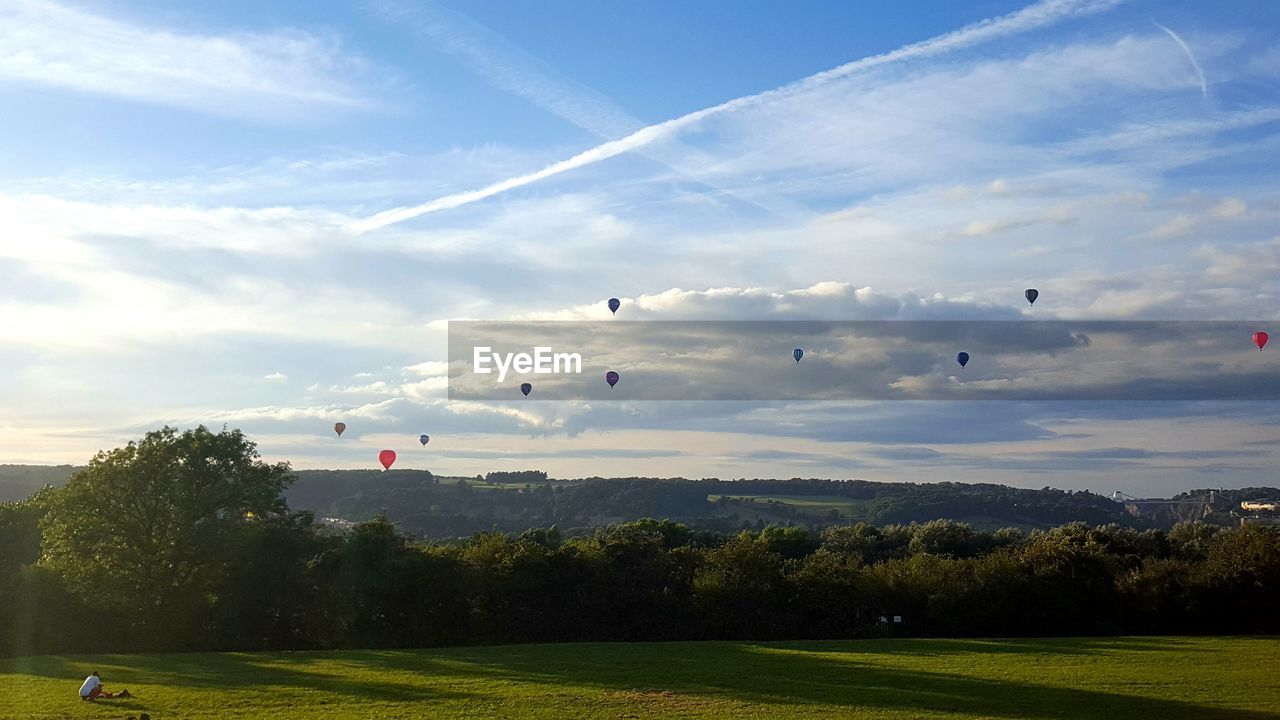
[
  {"x": 1034, "y": 17},
  {"x": 1204, "y": 87}
]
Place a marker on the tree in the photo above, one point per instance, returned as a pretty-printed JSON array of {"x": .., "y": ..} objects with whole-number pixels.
[
  {"x": 141, "y": 530},
  {"x": 947, "y": 538}
]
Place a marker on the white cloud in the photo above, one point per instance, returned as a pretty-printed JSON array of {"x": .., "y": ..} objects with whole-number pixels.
[
  {"x": 257, "y": 75},
  {"x": 429, "y": 368},
  {"x": 1176, "y": 226},
  {"x": 375, "y": 388},
  {"x": 1228, "y": 208},
  {"x": 275, "y": 376}
]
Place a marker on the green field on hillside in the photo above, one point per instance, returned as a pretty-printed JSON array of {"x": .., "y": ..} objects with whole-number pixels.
[
  {"x": 1165, "y": 678},
  {"x": 847, "y": 507}
]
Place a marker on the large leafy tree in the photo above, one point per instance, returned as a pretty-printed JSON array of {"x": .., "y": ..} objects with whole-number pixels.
[{"x": 144, "y": 529}]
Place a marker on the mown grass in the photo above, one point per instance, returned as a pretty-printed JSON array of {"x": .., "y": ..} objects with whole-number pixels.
[{"x": 1165, "y": 678}]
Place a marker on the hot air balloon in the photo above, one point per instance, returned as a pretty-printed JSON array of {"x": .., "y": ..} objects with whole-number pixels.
[
  {"x": 1031, "y": 294},
  {"x": 963, "y": 359},
  {"x": 1260, "y": 339},
  {"x": 797, "y": 354},
  {"x": 611, "y": 377},
  {"x": 339, "y": 427},
  {"x": 387, "y": 457},
  {"x": 526, "y": 388},
  {"x": 424, "y": 438},
  {"x": 614, "y": 304}
]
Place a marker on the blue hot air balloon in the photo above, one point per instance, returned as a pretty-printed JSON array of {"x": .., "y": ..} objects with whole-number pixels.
[
  {"x": 797, "y": 354},
  {"x": 526, "y": 388},
  {"x": 424, "y": 438},
  {"x": 1031, "y": 294},
  {"x": 963, "y": 359},
  {"x": 614, "y": 304},
  {"x": 611, "y": 377}
]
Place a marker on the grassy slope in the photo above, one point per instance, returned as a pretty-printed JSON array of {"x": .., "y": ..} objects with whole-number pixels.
[
  {"x": 814, "y": 503},
  {"x": 1165, "y": 678}
]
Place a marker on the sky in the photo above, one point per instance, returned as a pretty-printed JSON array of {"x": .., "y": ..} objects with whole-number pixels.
[{"x": 265, "y": 214}]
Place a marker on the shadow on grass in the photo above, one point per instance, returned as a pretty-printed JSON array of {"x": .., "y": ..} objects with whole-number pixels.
[
  {"x": 319, "y": 671},
  {"x": 837, "y": 675},
  {"x": 776, "y": 674}
]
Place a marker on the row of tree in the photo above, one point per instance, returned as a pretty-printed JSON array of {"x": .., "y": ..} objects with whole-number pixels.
[{"x": 182, "y": 541}]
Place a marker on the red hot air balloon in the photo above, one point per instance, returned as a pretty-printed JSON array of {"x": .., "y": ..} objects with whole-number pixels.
[
  {"x": 611, "y": 377},
  {"x": 339, "y": 427},
  {"x": 387, "y": 457},
  {"x": 1260, "y": 339}
]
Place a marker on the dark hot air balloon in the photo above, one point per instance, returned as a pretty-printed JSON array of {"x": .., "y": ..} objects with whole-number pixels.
[
  {"x": 387, "y": 457},
  {"x": 963, "y": 359},
  {"x": 424, "y": 438},
  {"x": 797, "y": 354},
  {"x": 611, "y": 377},
  {"x": 339, "y": 427},
  {"x": 614, "y": 304},
  {"x": 1031, "y": 294},
  {"x": 526, "y": 388},
  {"x": 1260, "y": 339}
]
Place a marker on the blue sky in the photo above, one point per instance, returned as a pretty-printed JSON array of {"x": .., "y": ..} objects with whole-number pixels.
[{"x": 263, "y": 214}]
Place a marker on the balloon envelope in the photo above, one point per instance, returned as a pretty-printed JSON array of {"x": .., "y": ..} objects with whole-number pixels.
[
  {"x": 424, "y": 438},
  {"x": 963, "y": 359},
  {"x": 614, "y": 304},
  {"x": 339, "y": 427},
  {"x": 797, "y": 354},
  {"x": 611, "y": 377},
  {"x": 1031, "y": 294},
  {"x": 1260, "y": 339},
  {"x": 386, "y": 457},
  {"x": 526, "y": 388}
]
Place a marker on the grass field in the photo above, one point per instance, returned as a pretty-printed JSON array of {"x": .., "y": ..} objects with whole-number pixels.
[
  {"x": 813, "y": 503},
  {"x": 1165, "y": 678}
]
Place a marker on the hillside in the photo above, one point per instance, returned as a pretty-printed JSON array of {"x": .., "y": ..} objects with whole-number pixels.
[
  {"x": 446, "y": 507},
  {"x": 1069, "y": 679},
  {"x": 450, "y": 507},
  {"x": 19, "y": 481}
]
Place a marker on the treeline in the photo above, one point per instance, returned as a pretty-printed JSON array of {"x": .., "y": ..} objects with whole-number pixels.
[
  {"x": 423, "y": 505},
  {"x": 182, "y": 541}
]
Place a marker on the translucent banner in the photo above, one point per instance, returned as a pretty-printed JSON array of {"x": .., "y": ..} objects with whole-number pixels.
[{"x": 860, "y": 360}]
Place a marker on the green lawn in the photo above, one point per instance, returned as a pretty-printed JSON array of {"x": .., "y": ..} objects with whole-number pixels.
[{"x": 1165, "y": 678}]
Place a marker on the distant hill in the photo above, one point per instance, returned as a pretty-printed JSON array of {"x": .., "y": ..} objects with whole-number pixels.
[
  {"x": 19, "y": 481},
  {"x": 437, "y": 507}
]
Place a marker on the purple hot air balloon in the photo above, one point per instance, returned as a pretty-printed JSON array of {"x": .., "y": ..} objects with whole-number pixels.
[
  {"x": 614, "y": 304},
  {"x": 526, "y": 388},
  {"x": 611, "y": 377}
]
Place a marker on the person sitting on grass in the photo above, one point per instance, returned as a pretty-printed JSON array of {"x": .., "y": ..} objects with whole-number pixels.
[{"x": 92, "y": 689}]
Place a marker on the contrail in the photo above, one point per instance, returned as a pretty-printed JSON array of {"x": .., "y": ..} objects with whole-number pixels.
[
  {"x": 1030, "y": 18},
  {"x": 510, "y": 68},
  {"x": 1204, "y": 87}
]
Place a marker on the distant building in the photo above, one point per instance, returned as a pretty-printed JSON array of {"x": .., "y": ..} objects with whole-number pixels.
[
  {"x": 1260, "y": 505},
  {"x": 337, "y": 523}
]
